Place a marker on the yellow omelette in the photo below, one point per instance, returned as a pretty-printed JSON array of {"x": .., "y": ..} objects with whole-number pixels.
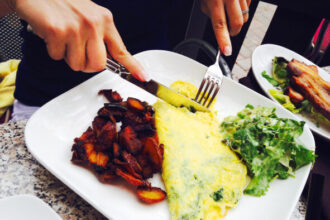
[{"x": 202, "y": 176}]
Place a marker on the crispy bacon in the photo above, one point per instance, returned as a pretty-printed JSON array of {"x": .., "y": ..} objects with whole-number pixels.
[
  {"x": 116, "y": 150},
  {"x": 131, "y": 179},
  {"x": 135, "y": 104},
  {"x": 117, "y": 110},
  {"x": 107, "y": 177},
  {"x": 146, "y": 165},
  {"x": 150, "y": 195},
  {"x": 111, "y": 95},
  {"x": 107, "y": 135},
  {"x": 127, "y": 167},
  {"x": 130, "y": 159},
  {"x": 307, "y": 81},
  {"x": 152, "y": 149},
  {"x": 133, "y": 153},
  {"x": 295, "y": 96},
  {"x": 144, "y": 130},
  {"x": 98, "y": 124},
  {"x": 88, "y": 135},
  {"x": 132, "y": 119},
  {"x": 129, "y": 140}
]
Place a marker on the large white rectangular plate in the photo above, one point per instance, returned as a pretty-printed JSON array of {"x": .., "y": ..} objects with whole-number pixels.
[
  {"x": 50, "y": 132},
  {"x": 262, "y": 61}
]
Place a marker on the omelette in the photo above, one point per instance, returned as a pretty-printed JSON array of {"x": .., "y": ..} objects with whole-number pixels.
[{"x": 202, "y": 176}]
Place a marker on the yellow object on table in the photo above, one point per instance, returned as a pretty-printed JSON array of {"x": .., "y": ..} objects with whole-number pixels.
[{"x": 7, "y": 84}]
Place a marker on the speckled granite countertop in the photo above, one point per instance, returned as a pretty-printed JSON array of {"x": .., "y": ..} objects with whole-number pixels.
[{"x": 20, "y": 173}]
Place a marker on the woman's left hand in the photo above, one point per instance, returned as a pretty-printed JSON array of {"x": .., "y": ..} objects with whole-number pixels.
[{"x": 237, "y": 13}]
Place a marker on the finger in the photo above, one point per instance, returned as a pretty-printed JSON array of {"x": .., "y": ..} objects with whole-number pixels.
[
  {"x": 96, "y": 55},
  {"x": 248, "y": 2},
  {"x": 119, "y": 52},
  {"x": 218, "y": 18},
  {"x": 56, "y": 49},
  {"x": 76, "y": 53},
  {"x": 235, "y": 16},
  {"x": 244, "y": 7}
]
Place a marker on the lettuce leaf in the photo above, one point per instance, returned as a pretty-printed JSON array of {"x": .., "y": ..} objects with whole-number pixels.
[
  {"x": 270, "y": 79},
  {"x": 279, "y": 72},
  {"x": 305, "y": 107},
  {"x": 267, "y": 144},
  {"x": 284, "y": 100}
]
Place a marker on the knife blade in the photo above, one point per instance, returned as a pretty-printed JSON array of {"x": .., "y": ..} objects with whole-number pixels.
[{"x": 168, "y": 95}]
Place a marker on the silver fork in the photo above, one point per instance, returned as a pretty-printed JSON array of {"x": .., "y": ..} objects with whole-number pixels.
[
  {"x": 115, "y": 66},
  {"x": 213, "y": 77}
]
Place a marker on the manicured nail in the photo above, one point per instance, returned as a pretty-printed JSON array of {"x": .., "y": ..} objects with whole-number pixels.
[
  {"x": 227, "y": 50},
  {"x": 146, "y": 76}
]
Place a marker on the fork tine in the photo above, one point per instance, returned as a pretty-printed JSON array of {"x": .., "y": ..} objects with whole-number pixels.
[
  {"x": 214, "y": 94},
  {"x": 209, "y": 92},
  {"x": 206, "y": 87},
  {"x": 200, "y": 88},
  {"x": 113, "y": 63},
  {"x": 116, "y": 70},
  {"x": 110, "y": 67}
]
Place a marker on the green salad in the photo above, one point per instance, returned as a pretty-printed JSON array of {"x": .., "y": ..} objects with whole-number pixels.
[
  {"x": 280, "y": 80},
  {"x": 267, "y": 144}
]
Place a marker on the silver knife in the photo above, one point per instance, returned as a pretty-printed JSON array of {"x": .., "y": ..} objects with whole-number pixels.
[{"x": 157, "y": 89}]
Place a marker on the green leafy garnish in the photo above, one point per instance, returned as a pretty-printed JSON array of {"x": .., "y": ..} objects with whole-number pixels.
[
  {"x": 217, "y": 196},
  {"x": 284, "y": 100},
  {"x": 280, "y": 76},
  {"x": 280, "y": 73},
  {"x": 267, "y": 144},
  {"x": 270, "y": 79}
]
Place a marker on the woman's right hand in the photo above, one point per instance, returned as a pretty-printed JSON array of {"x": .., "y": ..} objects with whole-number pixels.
[{"x": 80, "y": 32}]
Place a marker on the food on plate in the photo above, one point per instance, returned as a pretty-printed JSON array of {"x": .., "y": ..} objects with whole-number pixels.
[
  {"x": 295, "y": 96},
  {"x": 133, "y": 153},
  {"x": 189, "y": 90},
  {"x": 307, "y": 81},
  {"x": 204, "y": 163},
  {"x": 150, "y": 194},
  {"x": 202, "y": 176},
  {"x": 267, "y": 144},
  {"x": 299, "y": 88}
]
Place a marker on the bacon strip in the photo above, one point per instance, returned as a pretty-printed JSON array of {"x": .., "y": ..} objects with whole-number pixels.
[{"x": 308, "y": 82}]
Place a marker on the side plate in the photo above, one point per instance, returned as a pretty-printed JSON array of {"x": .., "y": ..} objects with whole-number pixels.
[{"x": 262, "y": 60}]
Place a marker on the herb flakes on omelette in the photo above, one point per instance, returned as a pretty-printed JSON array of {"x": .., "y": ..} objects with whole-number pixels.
[{"x": 202, "y": 176}]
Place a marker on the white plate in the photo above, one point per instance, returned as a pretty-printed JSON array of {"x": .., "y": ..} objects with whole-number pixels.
[
  {"x": 50, "y": 132},
  {"x": 26, "y": 207},
  {"x": 262, "y": 60}
]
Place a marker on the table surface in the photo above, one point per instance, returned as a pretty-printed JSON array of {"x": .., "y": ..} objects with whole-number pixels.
[{"x": 20, "y": 173}]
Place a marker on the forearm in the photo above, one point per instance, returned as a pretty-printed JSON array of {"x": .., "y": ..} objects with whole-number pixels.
[{"x": 6, "y": 7}]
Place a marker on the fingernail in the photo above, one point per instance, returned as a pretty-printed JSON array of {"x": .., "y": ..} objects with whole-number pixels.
[
  {"x": 146, "y": 76},
  {"x": 227, "y": 50}
]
